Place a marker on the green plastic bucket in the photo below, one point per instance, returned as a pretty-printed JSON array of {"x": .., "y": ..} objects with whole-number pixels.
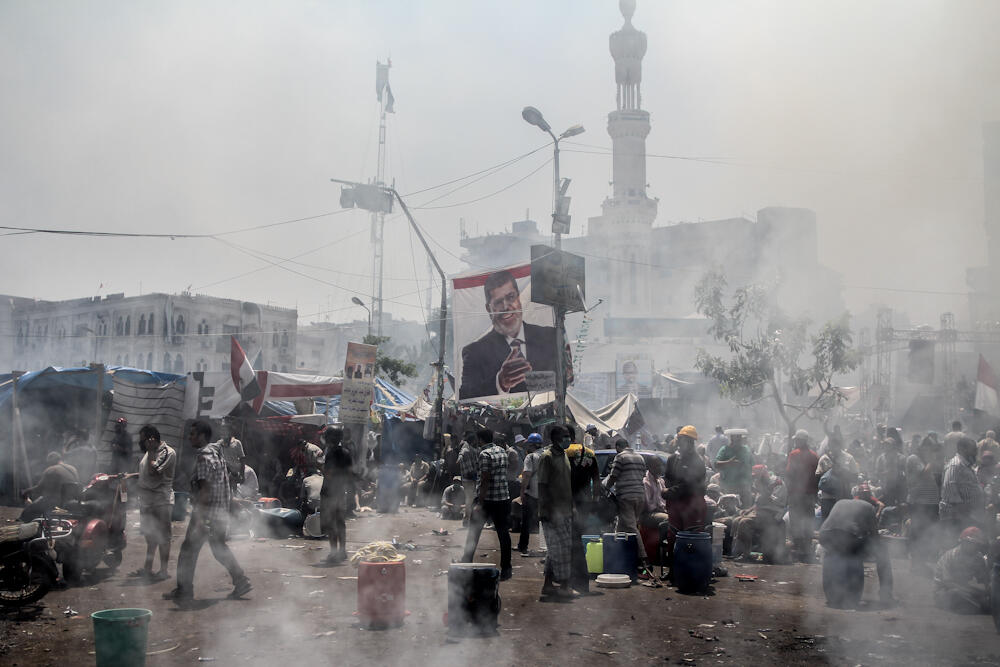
[{"x": 120, "y": 637}]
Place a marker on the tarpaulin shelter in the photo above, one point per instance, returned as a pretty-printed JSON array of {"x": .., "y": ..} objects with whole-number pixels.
[{"x": 56, "y": 404}]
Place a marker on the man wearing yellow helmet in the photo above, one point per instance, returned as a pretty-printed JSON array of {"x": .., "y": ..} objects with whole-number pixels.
[{"x": 685, "y": 479}]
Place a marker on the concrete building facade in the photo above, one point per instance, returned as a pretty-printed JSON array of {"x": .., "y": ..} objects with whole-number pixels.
[{"x": 160, "y": 332}]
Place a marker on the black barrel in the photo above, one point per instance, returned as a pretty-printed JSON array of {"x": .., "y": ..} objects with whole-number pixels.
[{"x": 473, "y": 599}]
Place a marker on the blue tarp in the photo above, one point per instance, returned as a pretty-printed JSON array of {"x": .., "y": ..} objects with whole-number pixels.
[
  {"x": 385, "y": 395},
  {"x": 79, "y": 377}
]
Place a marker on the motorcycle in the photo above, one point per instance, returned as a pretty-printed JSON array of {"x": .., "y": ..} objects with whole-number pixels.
[
  {"x": 27, "y": 566},
  {"x": 97, "y": 523}
]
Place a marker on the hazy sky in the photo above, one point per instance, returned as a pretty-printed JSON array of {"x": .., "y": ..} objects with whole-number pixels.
[{"x": 207, "y": 117}]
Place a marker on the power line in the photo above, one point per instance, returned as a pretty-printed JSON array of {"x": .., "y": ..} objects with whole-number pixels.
[{"x": 492, "y": 194}]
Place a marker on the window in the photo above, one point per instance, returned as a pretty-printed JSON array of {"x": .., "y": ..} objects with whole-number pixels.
[
  {"x": 141, "y": 331},
  {"x": 179, "y": 325},
  {"x": 150, "y": 327},
  {"x": 128, "y": 326},
  {"x": 284, "y": 338},
  {"x": 120, "y": 326},
  {"x": 179, "y": 365},
  {"x": 166, "y": 362},
  {"x": 274, "y": 340}
]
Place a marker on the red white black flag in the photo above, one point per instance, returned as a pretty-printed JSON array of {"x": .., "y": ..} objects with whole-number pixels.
[{"x": 244, "y": 378}]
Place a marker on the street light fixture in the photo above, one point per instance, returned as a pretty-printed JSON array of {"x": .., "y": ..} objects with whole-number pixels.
[
  {"x": 560, "y": 219},
  {"x": 359, "y": 302},
  {"x": 560, "y": 226}
]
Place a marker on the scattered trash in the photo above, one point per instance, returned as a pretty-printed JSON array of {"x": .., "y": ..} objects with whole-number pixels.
[
  {"x": 338, "y": 578},
  {"x": 315, "y": 594},
  {"x": 762, "y": 635},
  {"x": 164, "y": 650},
  {"x": 312, "y": 576},
  {"x": 418, "y": 562},
  {"x": 69, "y": 612},
  {"x": 784, "y": 583},
  {"x": 410, "y": 546},
  {"x": 706, "y": 625},
  {"x": 746, "y": 577},
  {"x": 441, "y": 573},
  {"x": 324, "y": 634},
  {"x": 439, "y": 531},
  {"x": 247, "y": 630},
  {"x": 290, "y": 546},
  {"x": 204, "y": 659}
]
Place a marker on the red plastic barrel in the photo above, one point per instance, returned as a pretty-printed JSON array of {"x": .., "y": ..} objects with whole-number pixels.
[{"x": 381, "y": 594}]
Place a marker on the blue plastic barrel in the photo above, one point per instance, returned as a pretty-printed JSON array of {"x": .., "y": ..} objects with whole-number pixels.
[
  {"x": 692, "y": 564},
  {"x": 621, "y": 553}
]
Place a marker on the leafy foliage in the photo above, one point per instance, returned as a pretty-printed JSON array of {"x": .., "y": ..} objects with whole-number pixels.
[
  {"x": 772, "y": 356},
  {"x": 394, "y": 369}
]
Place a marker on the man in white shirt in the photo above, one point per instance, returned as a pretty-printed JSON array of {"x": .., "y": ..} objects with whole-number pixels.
[{"x": 156, "y": 497}]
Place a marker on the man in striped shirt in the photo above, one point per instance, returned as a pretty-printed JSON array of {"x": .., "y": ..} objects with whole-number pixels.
[
  {"x": 963, "y": 502},
  {"x": 492, "y": 501},
  {"x": 627, "y": 473}
]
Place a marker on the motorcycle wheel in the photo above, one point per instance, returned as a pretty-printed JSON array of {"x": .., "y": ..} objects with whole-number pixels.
[
  {"x": 29, "y": 584},
  {"x": 71, "y": 571},
  {"x": 113, "y": 559}
]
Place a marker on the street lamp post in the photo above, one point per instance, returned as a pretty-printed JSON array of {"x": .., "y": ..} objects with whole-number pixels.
[
  {"x": 361, "y": 303},
  {"x": 560, "y": 222},
  {"x": 379, "y": 198}
]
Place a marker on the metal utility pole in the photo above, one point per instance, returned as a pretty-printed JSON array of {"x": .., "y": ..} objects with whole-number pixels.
[
  {"x": 560, "y": 226},
  {"x": 386, "y": 104},
  {"x": 380, "y": 198}
]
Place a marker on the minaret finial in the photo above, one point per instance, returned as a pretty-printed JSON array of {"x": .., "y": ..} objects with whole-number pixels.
[{"x": 627, "y": 8}]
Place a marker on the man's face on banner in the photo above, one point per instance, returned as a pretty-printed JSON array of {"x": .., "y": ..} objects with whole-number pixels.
[{"x": 504, "y": 307}]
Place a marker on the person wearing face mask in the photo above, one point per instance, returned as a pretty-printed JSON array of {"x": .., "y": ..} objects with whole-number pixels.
[{"x": 555, "y": 510}]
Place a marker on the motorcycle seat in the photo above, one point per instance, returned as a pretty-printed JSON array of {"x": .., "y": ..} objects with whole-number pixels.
[{"x": 21, "y": 532}]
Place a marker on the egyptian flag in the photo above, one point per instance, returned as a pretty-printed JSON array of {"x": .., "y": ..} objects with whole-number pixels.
[
  {"x": 986, "y": 389},
  {"x": 244, "y": 378}
]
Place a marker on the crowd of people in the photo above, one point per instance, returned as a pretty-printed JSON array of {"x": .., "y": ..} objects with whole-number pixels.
[{"x": 774, "y": 501}]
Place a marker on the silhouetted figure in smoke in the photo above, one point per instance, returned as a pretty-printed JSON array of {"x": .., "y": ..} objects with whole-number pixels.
[
  {"x": 850, "y": 536},
  {"x": 961, "y": 578},
  {"x": 337, "y": 474}
]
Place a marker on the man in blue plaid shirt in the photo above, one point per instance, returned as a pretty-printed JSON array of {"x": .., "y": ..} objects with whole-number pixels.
[
  {"x": 492, "y": 501},
  {"x": 209, "y": 519}
]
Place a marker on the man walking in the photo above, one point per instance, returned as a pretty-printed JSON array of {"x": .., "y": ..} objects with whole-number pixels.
[
  {"x": 492, "y": 502},
  {"x": 156, "y": 497},
  {"x": 209, "y": 518},
  {"x": 628, "y": 470},
  {"x": 468, "y": 465},
  {"x": 529, "y": 492},
  {"x": 337, "y": 465},
  {"x": 800, "y": 476},
  {"x": 555, "y": 509}
]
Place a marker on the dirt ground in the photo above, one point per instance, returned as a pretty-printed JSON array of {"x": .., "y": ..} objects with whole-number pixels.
[{"x": 302, "y": 610}]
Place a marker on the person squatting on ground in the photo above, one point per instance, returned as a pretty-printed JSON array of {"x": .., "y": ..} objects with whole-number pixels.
[
  {"x": 555, "y": 510},
  {"x": 492, "y": 502},
  {"x": 529, "y": 492},
  {"x": 961, "y": 577},
  {"x": 627, "y": 472},
  {"x": 801, "y": 481},
  {"x": 156, "y": 496},
  {"x": 337, "y": 465},
  {"x": 417, "y": 475},
  {"x": 762, "y": 522},
  {"x": 453, "y": 500},
  {"x": 849, "y": 536},
  {"x": 209, "y": 517}
]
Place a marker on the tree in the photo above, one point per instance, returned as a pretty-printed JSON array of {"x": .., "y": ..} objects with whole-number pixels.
[
  {"x": 772, "y": 356},
  {"x": 395, "y": 369}
]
